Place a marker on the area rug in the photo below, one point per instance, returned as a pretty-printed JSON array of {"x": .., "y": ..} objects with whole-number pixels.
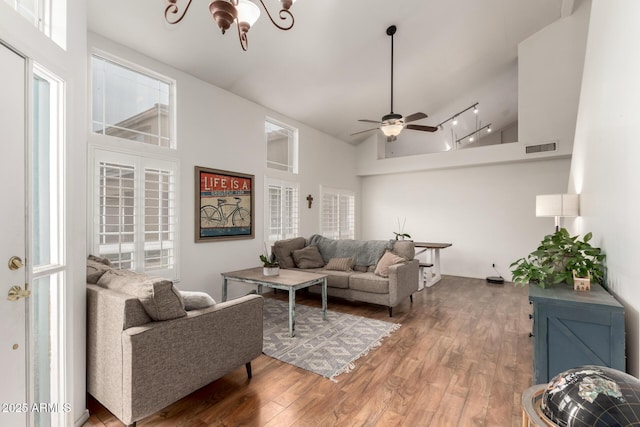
[{"x": 326, "y": 347}]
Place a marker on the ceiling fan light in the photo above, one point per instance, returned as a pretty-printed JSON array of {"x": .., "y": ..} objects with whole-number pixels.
[
  {"x": 248, "y": 12},
  {"x": 391, "y": 129}
]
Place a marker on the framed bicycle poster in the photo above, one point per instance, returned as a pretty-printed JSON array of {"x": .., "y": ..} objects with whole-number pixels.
[{"x": 224, "y": 205}]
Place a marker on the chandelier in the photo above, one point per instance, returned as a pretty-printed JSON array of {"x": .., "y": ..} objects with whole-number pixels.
[{"x": 225, "y": 12}]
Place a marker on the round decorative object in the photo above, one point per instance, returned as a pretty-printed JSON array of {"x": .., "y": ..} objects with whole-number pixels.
[{"x": 591, "y": 396}]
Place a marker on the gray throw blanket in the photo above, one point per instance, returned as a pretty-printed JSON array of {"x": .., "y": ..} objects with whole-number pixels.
[{"x": 365, "y": 252}]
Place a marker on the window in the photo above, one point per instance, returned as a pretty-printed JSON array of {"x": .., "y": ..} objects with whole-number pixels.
[
  {"x": 131, "y": 104},
  {"x": 337, "y": 213},
  {"x": 48, "y": 264},
  {"x": 48, "y": 16},
  {"x": 134, "y": 204},
  {"x": 281, "y": 210},
  {"x": 135, "y": 212},
  {"x": 282, "y": 146}
]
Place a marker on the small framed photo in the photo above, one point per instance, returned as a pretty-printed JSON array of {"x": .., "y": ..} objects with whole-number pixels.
[{"x": 224, "y": 205}]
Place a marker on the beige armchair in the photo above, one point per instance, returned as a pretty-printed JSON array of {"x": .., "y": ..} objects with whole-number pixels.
[{"x": 137, "y": 366}]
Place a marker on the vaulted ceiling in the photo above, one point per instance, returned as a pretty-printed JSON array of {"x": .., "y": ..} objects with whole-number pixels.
[{"x": 333, "y": 67}]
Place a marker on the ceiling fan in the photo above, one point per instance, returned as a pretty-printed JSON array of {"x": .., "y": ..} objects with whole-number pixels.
[{"x": 392, "y": 124}]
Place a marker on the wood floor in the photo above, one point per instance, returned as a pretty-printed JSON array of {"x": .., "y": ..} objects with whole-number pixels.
[{"x": 462, "y": 357}]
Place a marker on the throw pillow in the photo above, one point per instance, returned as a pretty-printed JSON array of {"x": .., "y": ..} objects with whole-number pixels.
[
  {"x": 284, "y": 248},
  {"x": 104, "y": 261},
  {"x": 159, "y": 298},
  {"x": 196, "y": 300},
  {"x": 387, "y": 260},
  {"x": 340, "y": 264},
  {"x": 308, "y": 257},
  {"x": 95, "y": 270}
]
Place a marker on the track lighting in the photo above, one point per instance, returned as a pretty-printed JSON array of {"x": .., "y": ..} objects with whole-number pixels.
[
  {"x": 472, "y": 134},
  {"x": 455, "y": 116}
]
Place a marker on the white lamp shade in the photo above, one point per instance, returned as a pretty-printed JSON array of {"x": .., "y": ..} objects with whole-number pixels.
[
  {"x": 391, "y": 130},
  {"x": 248, "y": 12},
  {"x": 558, "y": 205}
]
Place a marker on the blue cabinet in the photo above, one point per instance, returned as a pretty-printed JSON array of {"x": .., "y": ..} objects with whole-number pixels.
[{"x": 573, "y": 328}]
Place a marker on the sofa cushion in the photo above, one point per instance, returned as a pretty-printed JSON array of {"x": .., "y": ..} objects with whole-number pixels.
[
  {"x": 369, "y": 282},
  {"x": 160, "y": 299},
  {"x": 404, "y": 248},
  {"x": 284, "y": 248},
  {"x": 387, "y": 260},
  {"x": 95, "y": 270},
  {"x": 340, "y": 264},
  {"x": 308, "y": 257},
  {"x": 196, "y": 300},
  {"x": 337, "y": 279}
]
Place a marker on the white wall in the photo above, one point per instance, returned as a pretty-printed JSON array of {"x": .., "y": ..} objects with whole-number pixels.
[
  {"x": 550, "y": 66},
  {"x": 483, "y": 199},
  {"x": 219, "y": 130},
  {"x": 70, "y": 66},
  {"x": 604, "y": 168},
  {"x": 487, "y": 212}
]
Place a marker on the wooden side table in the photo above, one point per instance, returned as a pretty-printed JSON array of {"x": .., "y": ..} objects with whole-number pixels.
[{"x": 434, "y": 276}]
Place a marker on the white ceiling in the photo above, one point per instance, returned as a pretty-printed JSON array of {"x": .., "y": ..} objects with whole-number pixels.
[{"x": 333, "y": 67}]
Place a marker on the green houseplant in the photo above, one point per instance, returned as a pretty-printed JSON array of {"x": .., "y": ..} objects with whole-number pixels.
[
  {"x": 556, "y": 258},
  {"x": 270, "y": 265}
]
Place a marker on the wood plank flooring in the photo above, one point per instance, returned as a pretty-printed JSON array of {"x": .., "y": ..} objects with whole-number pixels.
[{"x": 462, "y": 357}]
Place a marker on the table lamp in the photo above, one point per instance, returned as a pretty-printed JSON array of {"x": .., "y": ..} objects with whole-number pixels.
[{"x": 558, "y": 205}]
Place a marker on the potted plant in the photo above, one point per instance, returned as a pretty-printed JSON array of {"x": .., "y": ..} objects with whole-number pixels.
[
  {"x": 558, "y": 259},
  {"x": 401, "y": 235},
  {"x": 270, "y": 265}
]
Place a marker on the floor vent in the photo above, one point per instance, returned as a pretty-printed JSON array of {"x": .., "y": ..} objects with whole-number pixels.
[{"x": 541, "y": 148}]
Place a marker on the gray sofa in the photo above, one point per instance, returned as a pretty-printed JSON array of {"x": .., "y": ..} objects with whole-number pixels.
[
  {"x": 357, "y": 279},
  {"x": 137, "y": 365}
]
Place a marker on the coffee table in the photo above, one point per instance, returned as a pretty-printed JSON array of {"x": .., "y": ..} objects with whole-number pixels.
[{"x": 287, "y": 280}]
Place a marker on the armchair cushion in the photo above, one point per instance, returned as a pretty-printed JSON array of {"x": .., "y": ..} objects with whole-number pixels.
[
  {"x": 158, "y": 296},
  {"x": 196, "y": 300},
  {"x": 95, "y": 270}
]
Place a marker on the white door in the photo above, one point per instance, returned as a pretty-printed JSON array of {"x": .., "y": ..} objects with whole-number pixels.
[{"x": 13, "y": 334}]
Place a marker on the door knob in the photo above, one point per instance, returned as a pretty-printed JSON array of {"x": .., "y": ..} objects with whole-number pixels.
[
  {"x": 15, "y": 263},
  {"x": 16, "y": 292}
]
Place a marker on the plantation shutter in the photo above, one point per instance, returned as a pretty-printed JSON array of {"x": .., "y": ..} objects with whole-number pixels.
[
  {"x": 136, "y": 222},
  {"x": 282, "y": 210},
  {"x": 337, "y": 214},
  {"x": 159, "y": 219},
  {"x": 116, "y": 232}
]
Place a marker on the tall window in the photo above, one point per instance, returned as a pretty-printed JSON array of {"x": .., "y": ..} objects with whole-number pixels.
[
  {"x": 48, "y": 264},
  {"x": 131, "y": 104},
  {"x": 282, "y": 146},
  {"x": 282, "y": 210},
  {"x": 135, "y": 205},
  {"x": 337, "y": 213}
]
